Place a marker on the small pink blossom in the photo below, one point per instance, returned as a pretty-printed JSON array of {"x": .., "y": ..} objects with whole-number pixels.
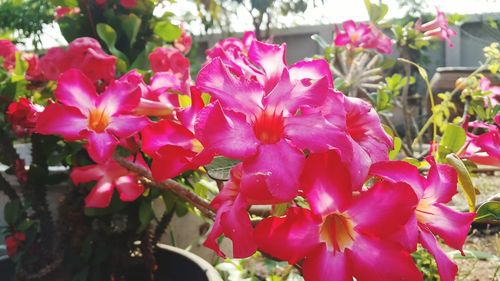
[
  {"x": 171, "y": 60},
  {"x": 364, "y": 36},
  {"x": 184, "y": 42},
  {"x": 109, "y": 176},
  {"x": 61, "y": 12},
  {"x": 437, "y": 28},
  {"x": 23, "y": 116},
  {"x": 82, "y": 114},
  {"x": 8, "y": 53},
  {"x": 494, "y": 96},
  {"x": 483, "y": 148}
]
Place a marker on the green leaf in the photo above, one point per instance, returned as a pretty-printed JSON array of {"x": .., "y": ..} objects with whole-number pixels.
[
  {"x": 167, "y": 31},
  {"x": 65, "y": 3},
  {"x": 397, "y": 147},
  {"x": 453, "y": 138},
  {"x": 219, "y": 168},
  {"x": 488, "y": 211},
  {"x": 464, "y": 179},
  {"x": 13, "y": 212},
  {"x": 108, "y": 35},
  {"x": 130, "y": 26},
  {"x": 19, "y": 69}
]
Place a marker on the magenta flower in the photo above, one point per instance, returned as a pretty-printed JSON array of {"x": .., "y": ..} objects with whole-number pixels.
[
  {"x": 232, "y": 219},
  {"x": 83, "y": 53},
  {"x": 364, "y": 36},
  {"x": 432, "y": 217},
  {"x": 109, "y": 176},
  {"x": 342, "y": 236},
  {"x": 359, "y": 122},
  {"x": 23, "y": 116},
  {"x": 244, "y": 123},
  {"x": 82, "y": 114},
  {"x": 184, "y": 42},
  {"x": 173, "y": 145},
  {"x": 437, "y": 28},
  {"x": 354, "y": 35},
  {"x": 483, "y": 148}
]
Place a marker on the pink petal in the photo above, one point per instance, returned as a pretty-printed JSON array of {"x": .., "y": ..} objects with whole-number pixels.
[
  {"x": 235, "y": 93},
  {"x": 235, "y": 225},
  {"x": 342, "y": 39},
  {"x": 393, "y": 202},
  {"x": 271, "y": 59},
  {"x": 291, "y": 237},
  {"x": 65, "y": 121},
  {"x": 349, "y": 26},
  {"x": 129, "y": 188},
  {"x": 407, "y": 236},
  {"x": 321, "y": 135},
  {"x": 399, "y": 171},
  {"x": 101, "y": 194},
  {"x": 324, "y": 265},
  {"x": 226, "y": 133},
  {"x": 311, "y": 70},
  {"x": 163, "y": 133},
  {"x": 101, "y": 146},
  {"x": 187, "y": 116},
  {"x": 86, "y": 173},
  {"x": 326, "y": 183},
  {"x": 75, "y": 89},
  {"x": 490, "y": 142},
  {"x": 452, "y": 226},
  {"x": 119, "y": 97},
  {"x": 442, "y": 182},
  {"x": 446, "y": 267},
  {"x": 282, "y": 181},
  {"x": 124, "y": 126},
  {"x": 375, "y": 259},
  {"x": 170, "y": 161},
  {"x": 289, "y": 96}
]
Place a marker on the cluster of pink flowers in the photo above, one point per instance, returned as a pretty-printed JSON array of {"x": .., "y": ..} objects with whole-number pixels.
[
  {"x": 437, "y": 28},
  {"x": 364, "y": 36},
  {"x": 483, "y": 148},
  {"x": 294, "y": 135}
]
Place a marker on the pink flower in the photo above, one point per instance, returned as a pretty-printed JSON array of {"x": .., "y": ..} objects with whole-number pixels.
[
  {"x": 13, "y": 242},
  {"x": 83, "y": 53},
  {"x": 352, "y": 35},
  {"x": 33, "y": 73},
  {"x": 432, "y": 217},
  {"x": 437, "y": 28},
  {"x": 173, "y": 62},
  {"x": 184, "y": 42},
  {"x": 342, "y": 236},
  {"x": 246, "y": 124},
  {"x": 173, "y": 145},
  {"x": 109, "y": 176},
  {"x": 494, "y": 96},
  {"x": 483, "y": 148},
  {"x": 363, "y": 35},
  {"x": 23, "y": 116},
  {"x": 64, "y": 11},
  {"x": 82, "y": 114},
  {"x": 232, "y": 219},
  {"x": 361, "y": 124},
  {"x": 8, "y": 53}
]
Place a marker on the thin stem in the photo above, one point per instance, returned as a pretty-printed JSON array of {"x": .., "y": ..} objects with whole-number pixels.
[
  {"x": 404, "y": 101},
  {"x": 8, "y": 189},
  {"x": 393, "y": 128},
  {"x": 171, "y": 185}
]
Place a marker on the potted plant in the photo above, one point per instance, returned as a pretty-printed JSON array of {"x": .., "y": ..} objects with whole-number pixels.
[{"x": 118, "y": 111}]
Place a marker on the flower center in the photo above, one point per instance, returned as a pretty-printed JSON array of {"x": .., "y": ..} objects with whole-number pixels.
[
  {"x": 98, "y": 120},
  {"x": 337, "y": 231},
  {"x": 268, "y": 127},
  {"x": 424, "y": 211}
]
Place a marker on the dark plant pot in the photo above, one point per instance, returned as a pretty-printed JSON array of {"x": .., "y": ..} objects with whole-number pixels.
[{"x": 174, "y": 264}]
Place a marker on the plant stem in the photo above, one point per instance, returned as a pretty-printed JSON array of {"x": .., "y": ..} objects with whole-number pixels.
[
  {"x": 404, "y": 101},
  {"x": 8, "y": 190},
  {"x": 171, "y": 185}
]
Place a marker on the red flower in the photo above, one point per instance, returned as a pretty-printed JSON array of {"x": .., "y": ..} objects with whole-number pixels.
[
  {"x": 184, "y": 42},
  {"x": 23, "y": 115},
  {"x": 83, "y": 53},
  {"x": 13, "y": 242}
]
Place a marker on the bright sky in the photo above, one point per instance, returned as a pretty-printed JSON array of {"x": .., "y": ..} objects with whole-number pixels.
[{"x": 333, "y": 11}]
